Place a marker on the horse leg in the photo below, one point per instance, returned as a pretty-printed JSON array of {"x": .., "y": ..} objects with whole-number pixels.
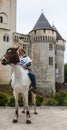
[
  {"x": 23, "y": 111},
  {"x": 34, "y": 101},
  {"x": 27, "y": 109},
  {"x": 16, "y": 108}
]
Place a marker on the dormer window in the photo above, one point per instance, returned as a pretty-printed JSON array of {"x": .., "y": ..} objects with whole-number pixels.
[
  {"x": 44, "y": 30},
  {"x": 1, "y": 19},
  {"x": 52, "y": 31},
  {"x": 34, "y": 31}
]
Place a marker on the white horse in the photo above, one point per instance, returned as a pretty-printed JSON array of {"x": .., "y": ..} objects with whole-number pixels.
[{"x": 20, "y": 82}]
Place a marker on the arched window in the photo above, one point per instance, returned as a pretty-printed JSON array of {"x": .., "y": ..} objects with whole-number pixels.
[
  {"x": 50, "y": 61},
  {"x": 25, "y": 47},
  {"x": 46, "y": 38},
  {"x": 1, "y": 19},
  {"x": 51, "y": 47},
  {"x": 43, "y": 38},
  {"x": 50, "y": 39},
  {"x": 6, "y": 38}
]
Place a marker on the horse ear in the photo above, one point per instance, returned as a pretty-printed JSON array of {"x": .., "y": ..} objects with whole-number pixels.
[{"x": 17, "y": 48}]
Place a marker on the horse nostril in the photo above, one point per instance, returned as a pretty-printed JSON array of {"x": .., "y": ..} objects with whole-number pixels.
[{"x": 3, "y": 60}]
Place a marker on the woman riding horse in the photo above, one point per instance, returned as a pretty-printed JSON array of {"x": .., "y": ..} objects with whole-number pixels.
[{"x": 20, "y": 82}]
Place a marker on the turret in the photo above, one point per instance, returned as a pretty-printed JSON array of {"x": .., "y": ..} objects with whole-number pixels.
[
  {"x": 59, "y": 57},
  {"x": 43, "y": 39}
]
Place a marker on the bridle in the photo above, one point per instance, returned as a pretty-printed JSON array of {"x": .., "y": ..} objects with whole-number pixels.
[{"x": 10, "y": 57}]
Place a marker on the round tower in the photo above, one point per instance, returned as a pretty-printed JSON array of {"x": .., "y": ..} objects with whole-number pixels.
[
  {"x": 59, "y": 57},
  {"x": 43, "y": 39}
]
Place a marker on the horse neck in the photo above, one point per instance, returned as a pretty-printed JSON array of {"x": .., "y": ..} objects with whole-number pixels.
[{"x": 18, "y": 70}]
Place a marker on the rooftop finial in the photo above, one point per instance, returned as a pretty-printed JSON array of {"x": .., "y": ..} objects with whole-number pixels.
[
  {"x": 53, "y": 23},
  {"x": 41, "y": 10}
]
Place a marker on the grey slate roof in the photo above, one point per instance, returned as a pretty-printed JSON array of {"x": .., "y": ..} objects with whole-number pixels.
[
  {"x": 59, "y": 37},
  {"x": 42, "y": 23}
]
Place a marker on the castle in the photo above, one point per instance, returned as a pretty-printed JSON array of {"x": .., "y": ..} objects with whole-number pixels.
[{"x": 43, "y": 44}]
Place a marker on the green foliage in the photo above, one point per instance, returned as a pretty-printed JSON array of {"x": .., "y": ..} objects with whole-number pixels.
[
  {"x": 3, "y": 99},
  {"x": 51, "y": 102},
  {"x": 39, "y": 100},
  {"x": 65, "y": 73},
  {"x": 11, "y": 102},
  {"x": 60, "y": 97}
]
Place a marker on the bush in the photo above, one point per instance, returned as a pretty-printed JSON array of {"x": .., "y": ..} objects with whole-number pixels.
[
  {"x": 51, "y": 102},
  {"x": 39, "y": 100},
  {"x": 3, "y": 99},
  {"x": 60, "y": 97},
  {"x": 11, "y": 102}
]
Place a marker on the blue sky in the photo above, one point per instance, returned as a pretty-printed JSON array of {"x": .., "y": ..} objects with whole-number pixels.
[{"x": 28, "y": 12}]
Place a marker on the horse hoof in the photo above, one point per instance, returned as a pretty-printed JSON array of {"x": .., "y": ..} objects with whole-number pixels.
[
  {"x": 28, "y": 122},
  {"x": 14, "y": 121},
  {"x": 23, "y": 111},
  {"x": 35, "y": 113}
]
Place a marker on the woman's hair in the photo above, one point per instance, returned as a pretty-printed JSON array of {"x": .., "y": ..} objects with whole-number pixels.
[{"x": 22, "y": 50}]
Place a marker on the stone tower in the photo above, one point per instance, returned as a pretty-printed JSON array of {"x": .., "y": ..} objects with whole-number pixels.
[
  {"x": 7, "y": 27},
  {"x": 59, "y": 57},
  {"x": 43, "y": 38},
  {"x": 46, "y": 47}
]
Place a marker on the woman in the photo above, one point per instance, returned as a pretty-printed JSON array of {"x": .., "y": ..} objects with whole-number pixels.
[{"x": 25, "y": 62}]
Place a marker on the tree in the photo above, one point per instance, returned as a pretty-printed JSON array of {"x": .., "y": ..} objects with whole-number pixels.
[{"x": 65, "y": 73}]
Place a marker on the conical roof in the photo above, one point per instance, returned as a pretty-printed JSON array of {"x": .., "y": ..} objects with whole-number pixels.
[
  {"x": 42, "y": 23},
  {"x": 59, "y": 37}
]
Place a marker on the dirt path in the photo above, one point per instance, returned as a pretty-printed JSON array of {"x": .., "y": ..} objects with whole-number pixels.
[{"x": 48, "y": 118}]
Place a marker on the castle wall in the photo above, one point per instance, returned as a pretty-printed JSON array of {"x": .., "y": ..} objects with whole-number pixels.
[
  {"x": 7, "y": 27},
  {"x": 36, "y": 44},
  {"x": 60, "y": 47}
]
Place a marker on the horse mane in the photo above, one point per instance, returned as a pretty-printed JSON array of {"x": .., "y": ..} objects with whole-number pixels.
[{"x": 14, "y": 57}]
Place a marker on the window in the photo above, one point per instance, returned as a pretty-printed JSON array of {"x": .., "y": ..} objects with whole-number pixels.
[
  {"x": 43, "y": 38},
  {"x": 44, "y": 30},
  {"x": 51, "y": 47},
  {"x": 6, "y": 38},
  {"x": 3, "y": 38},
  {"x": 34, "y": 31},
  {"x": 55, "y": 52},
  {"x": 52, "y": 31},
  {"x": 46, "y": 38},
  {"x": 24, "y": 46},
  {"x": 51, "y": 61},
  {"x": 1, "y": 19},
  {"x": 55, "y": 65}
]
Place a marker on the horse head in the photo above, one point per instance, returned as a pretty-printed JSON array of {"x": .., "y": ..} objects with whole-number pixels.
[{"x": 10, "y": 57}]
